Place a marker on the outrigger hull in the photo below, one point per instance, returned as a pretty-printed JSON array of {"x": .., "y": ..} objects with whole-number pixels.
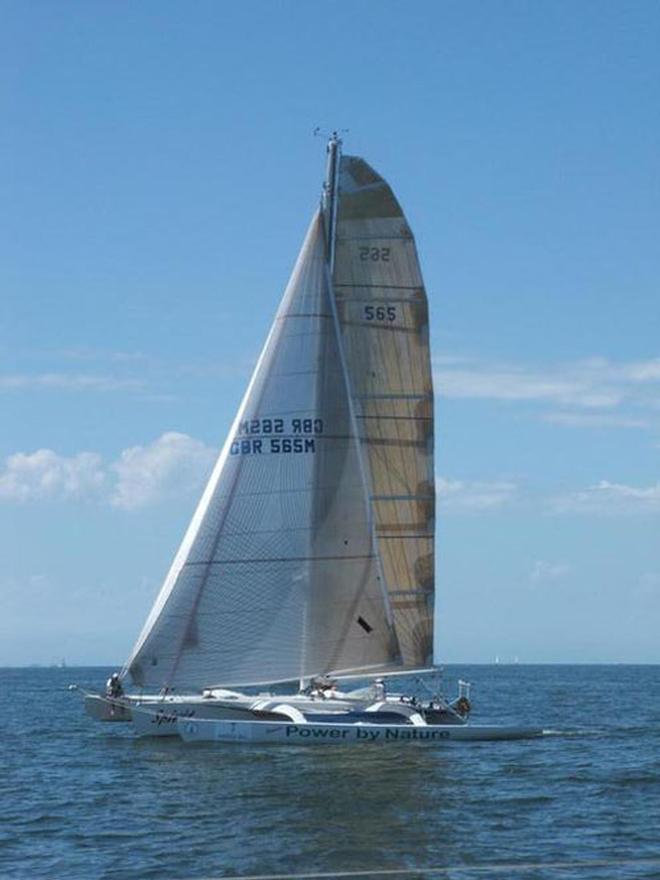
[{"x": 308, "y": 733}]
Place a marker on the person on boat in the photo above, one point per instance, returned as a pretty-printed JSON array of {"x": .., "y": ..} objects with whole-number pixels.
[
  {"x": 322, "y": 687},
  {"x": 329, "y": 690},
  {"x": 379, "y": 690},
  {"x": 113, "y": 686}
]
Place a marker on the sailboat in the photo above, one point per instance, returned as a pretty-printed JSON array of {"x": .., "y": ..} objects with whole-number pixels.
[{"x": 310, "y": 557}]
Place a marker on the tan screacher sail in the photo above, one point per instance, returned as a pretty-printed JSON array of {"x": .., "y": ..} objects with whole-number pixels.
[{"x": 311, "y": 550}]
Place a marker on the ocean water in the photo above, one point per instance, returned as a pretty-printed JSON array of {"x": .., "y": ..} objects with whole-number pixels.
[{"x": 79, "y": 799}]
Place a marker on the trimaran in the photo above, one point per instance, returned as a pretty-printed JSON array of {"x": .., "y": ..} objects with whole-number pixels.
[{"x": 310, "y": 557}]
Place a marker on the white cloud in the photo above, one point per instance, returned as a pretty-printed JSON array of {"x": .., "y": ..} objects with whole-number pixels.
[
  {"x": 642, "y": 371},
  {"x": 515, "y": 384},
  {"x": 594, "y": 383},
  {"x": 594, "y": 420},
  {"x": 649, "y": 584},
  {"x": 45, "y": 475},
  {"x": 543, "y": 571},
  {"x": 87, "y": 353},
  {"x": 67, "y": 382},
  {"x": 450, "y": 360},
  {"x": 175, "y": 464},
  {"x": 610, "y": 498},
  {"x": 474, "y": 495},
  {"x": 170, "y": 466}
]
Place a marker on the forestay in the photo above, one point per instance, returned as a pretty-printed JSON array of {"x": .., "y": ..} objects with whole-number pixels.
[
  {"x": 277, "y": 576},
  {"x": 383, "y": 313}
]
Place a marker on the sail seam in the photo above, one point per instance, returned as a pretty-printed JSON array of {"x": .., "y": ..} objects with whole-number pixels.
[
  {"x": 381, "y": 418},
  {"x": 303, "y": 315},
  {"x": 270, "y": 559},
  {"x": 416, "y": 592},
  {"x": 374, "y": 238},
  {"x": 368, "y": 187},
  {"x": 383, "y": 286},
  {"x": 392, "y": 396},
  {"x": 399, "y": 537},
  {"x": 401, "y": 497},
  {"x": 385, "y": 299},
  {"x": 295, "y": 373},
  {"x": 381, "y": 328}
]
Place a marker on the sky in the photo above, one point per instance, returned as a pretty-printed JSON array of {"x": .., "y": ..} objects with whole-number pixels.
[{"x": 158, "y": 171}]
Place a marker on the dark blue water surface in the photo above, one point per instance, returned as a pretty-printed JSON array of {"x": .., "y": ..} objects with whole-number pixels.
[{"x": 79, "y": 799}]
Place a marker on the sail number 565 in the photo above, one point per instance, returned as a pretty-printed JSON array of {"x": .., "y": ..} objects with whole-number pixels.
[{"x": 380, "y": 313}]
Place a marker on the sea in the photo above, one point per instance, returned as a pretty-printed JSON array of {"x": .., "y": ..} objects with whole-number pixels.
[{"x": 82, "y": 799}]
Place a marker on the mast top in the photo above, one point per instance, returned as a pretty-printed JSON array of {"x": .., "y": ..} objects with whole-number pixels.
[
  {"x": 333, "y": 152},
  {"x": 334, "y": 141},
  {"x": 333, "y": 137},
  {"x": 331, "y": 193}
]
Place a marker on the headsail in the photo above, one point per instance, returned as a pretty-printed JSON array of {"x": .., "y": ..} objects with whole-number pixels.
[
  {"x": 383, "y": 313},
  {"x": 277, "y": 576}
]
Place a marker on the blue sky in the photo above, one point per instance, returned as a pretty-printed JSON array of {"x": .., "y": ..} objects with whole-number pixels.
[{"x": 158, "y": 172}]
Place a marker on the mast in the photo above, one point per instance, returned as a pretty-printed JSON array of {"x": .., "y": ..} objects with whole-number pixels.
[
  {"x": 330, "y": 199},
  {"x": 330, "y": 206}
]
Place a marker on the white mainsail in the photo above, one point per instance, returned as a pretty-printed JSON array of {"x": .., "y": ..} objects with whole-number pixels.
[{"x": 311, "y": 550}]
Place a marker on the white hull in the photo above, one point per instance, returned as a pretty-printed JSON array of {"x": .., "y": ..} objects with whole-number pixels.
[
  {"x": 159, "y": 718},
  {"x": 105, "y": 709},
  {"x": 204, "y": 730},
  {"x": 232, "y": 705},
  {"x": 113, "y": 709}
]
